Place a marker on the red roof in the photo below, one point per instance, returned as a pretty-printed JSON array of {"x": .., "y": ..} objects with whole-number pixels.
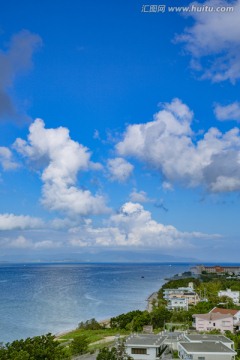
[{"x": 224, "y": 311}]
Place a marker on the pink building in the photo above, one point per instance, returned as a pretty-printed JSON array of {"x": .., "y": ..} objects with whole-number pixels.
[{"x": 213, "y": 321}]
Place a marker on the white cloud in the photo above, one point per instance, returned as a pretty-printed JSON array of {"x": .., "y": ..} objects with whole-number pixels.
[
  {"x": 19, "y": 222},
  {"x": 214, "y": 40},
  {"x": 21, "y": 242},
  {"x": 140, "y": 197},
  {"x": 228, "y": 112},
  {"x": 168, "y": 145},
  {"x": 6, "y": 159},
  {"x": 61, "y": 159},
  {"x": 119, "y": 169},
  {"x": 133, "y": 226}
]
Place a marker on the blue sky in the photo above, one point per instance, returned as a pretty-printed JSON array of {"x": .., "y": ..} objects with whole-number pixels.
[{"x": 119, "y": 130}]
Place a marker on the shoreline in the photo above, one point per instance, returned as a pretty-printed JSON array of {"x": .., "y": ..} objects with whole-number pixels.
[
  {"x": 106, "y": 322},
  {"x": 149, "y": 301},
  {"x": 126, "y": 300}
]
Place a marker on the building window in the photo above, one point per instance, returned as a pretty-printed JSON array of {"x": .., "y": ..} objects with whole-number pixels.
[
  {"x": 139, "y": 351},
  {"x": 201, "y": 358}
]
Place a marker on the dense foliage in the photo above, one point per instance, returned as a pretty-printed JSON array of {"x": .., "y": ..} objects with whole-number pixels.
[
  {"x": 135, "y": 320},
  {"x": 79, "y": 345},
  {"x": 43, "y": 347},
  {"x": 91, "y": 324},
  {"x": 123, "y": 320}
]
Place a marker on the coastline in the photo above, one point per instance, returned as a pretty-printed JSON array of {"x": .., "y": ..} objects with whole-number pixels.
[
  {"x": 106, "y": 322},
  {"x": 74, "y": 294}
]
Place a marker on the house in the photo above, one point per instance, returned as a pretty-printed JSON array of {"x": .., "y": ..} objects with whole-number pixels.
[
  {"x": 206, "y": 347},
  {"x": 175, "y": 303},
  {"x": 146, "y": 346},
  {"x": 233, "y": 312},
  {"x": 209, "y": 337},
  {"x": 205, "y": 351},
  {"x": 234, "y": 295},
  {"x": 213, "y": 321}
]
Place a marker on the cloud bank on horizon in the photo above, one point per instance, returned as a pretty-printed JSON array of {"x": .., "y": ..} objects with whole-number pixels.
[{"x": 105, "y": 192}]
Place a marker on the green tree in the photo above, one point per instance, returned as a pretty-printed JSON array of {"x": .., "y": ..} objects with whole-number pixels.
[
  {"x": 159, "y": 316},
  {"x": 43, "y": 347},
  {"x": 79, "y": 345},
  {"x": 121, "y": 321},
  {"x": 106, "y": 354},
  {"x": 91, "y": 324},
  {"x": 139, "y": 321}
]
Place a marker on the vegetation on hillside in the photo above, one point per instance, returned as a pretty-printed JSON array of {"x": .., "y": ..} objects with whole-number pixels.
[
  {"x": 43, "y": 347},
  {"x": 206, "y": 287}
]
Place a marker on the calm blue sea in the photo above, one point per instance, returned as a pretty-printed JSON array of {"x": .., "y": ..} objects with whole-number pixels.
[{"x": 40, "y": 298}]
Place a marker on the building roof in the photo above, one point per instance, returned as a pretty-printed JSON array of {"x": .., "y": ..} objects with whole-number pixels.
[
  {"x": 150, "y": 340},
  {"x": 205, "y": 347},
  {"x": 224, "y": 311},
  {"x": 208, "y": 337},
  {"x": 212, "y": 316}
]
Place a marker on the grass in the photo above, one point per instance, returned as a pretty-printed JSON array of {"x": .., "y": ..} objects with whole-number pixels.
[{"x": 92, "y": 335}]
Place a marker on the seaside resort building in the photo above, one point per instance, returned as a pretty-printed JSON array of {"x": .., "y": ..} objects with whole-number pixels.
[
  {"x": 181, "y": 297},
  {"x": 216, "y": 269}
]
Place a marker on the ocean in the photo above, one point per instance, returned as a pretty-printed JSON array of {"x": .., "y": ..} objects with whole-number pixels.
[{"x": 39, "y": 298}]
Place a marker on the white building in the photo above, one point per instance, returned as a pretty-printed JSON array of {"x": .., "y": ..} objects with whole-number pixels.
[
  {"x": 146, "y": 346},
  {"x": 175, "y": 303},
  {"x": 206, "y": 347},
  {"x": 205, "y": 351},
  {"x": 234, "y": 295},
  {"x": 181, "y": 293},
  {"x": 209, "y": 337}
]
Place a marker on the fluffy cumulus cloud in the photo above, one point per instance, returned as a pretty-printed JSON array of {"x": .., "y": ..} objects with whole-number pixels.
[
  {"x": 228, "y": 112},
  {"x": 6, "y": 159},
  {"x": 169, "y": 145},
  {"x": 14, "y": 60},
  {"x": 214, "y": 40},
  {"x": 19, "y": 222},
  {"x": 133, "y": 226},
  {"x": 61, "y": 158},
  {"x": 119, "y": 169}
]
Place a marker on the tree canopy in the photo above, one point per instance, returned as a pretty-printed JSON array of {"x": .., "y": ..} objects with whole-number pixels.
[{"x": 43, "y": 347}]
